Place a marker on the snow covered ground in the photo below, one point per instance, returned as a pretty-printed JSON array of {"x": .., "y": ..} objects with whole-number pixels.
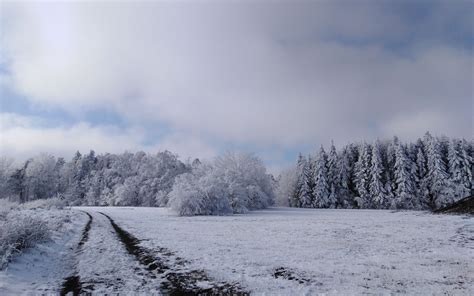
[
  {"x": 322, "y": 251},
  {"x": 41, "y": 270},
  {"x": 279, "y": 251}
]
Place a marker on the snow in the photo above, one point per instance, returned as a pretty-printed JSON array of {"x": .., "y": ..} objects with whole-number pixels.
[
  {"x": 104, "y": 265},
  {"x": 280, "y": 251},
  {"x": 337, "y": 251},
  {"x": 42, "y": 269}
]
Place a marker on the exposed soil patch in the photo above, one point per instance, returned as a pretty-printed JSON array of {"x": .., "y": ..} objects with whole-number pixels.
[
  {"x": 85, "y": 232},
  {"x": 177, "y": 282},
  {"x": 463, "y": 206},
  {"x": 287, "y": 274},
  {"x": 73, "y": 283}
]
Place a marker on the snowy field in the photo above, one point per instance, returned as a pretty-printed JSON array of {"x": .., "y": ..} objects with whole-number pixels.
[
  {"x": 280, "y": 251},
  {"x": 41, "y": 269}
]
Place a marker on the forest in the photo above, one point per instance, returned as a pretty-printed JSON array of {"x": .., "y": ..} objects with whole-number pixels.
[
  {"x": 428, "y": 174},
  {"x": 387, "y": 174}
]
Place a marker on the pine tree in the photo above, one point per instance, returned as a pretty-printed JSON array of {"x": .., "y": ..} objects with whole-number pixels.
[
  {"x": 422, "y": 180},
  {"x": 306, "y": 195},
  {"x": 441, "y": 191},
  {"x": 456, "y": 168},
  {"x": 467, "y": 167},
  {"x": 321, "y": 189},
  {"x": 405, "y": 191},
  {"x": 376, "y": 187},
  {"x": 295, "y": 198},
  {"x": 390, "y": 182},
  {"x": 345, "y": 198},
  {"x": 333, "y": 177},
  {"x": 362, "y": 177}
]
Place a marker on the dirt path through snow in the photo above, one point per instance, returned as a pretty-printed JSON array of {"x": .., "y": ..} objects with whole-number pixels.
[{"x": 110, "y": 260}]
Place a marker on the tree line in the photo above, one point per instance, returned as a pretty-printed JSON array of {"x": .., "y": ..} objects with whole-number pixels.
[
  {"x": 427, "y": 174},
  {"x": 127, "y": 179},
  {"x": 430, "y": 173},
  {"x": 231, "y": 183}
]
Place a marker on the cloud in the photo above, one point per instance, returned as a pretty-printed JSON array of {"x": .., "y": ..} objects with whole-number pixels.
[
  {"x": 265, "y": 74},
  {"x": 23, "y": 137},
  {"x": 26, "y": 136}
]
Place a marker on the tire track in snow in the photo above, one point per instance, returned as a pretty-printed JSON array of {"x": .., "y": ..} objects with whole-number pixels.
[
  {"x": 73, "y": 282},
  {"x": 177, "y": 281},
  {"x": 105, "y": 267}
]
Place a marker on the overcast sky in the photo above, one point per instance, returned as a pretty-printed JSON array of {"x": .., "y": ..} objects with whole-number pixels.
[{"x": 202, "y": 77}]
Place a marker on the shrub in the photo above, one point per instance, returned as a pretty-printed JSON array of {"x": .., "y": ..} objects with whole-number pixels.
[
  {"x": 233, "y": 183},
  {"x": 20, "y": 230},
  {"x": 47, "y": 204},
  {"x": 6, "y": 206}
]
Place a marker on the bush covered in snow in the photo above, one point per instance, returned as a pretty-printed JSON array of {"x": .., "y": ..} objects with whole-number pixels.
[
  {"x": 20, "y": 230},
  {"x": 24, "y": 225},
  {"x": 6, "y": 206},
  {"x": 233, "y": 183},
  {"x": 46, "y": 204}
]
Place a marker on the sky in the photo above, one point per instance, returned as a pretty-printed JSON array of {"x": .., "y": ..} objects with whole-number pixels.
[{"x": 202, "y": 77}]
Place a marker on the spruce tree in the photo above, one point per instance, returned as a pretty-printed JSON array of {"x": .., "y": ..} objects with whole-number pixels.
[
  {"x": 362, "y": 177},
  {"x": 457, "y": 168},
  {"x": 306, "y": 195},
  {"x": 321, "y": 188},
  {"x": 467, "y": 167},
  {"x": 390, "y": 184},
  {"x": 441, "y": 191},
  {"x": 376, "y": 187},
  {"x": 295, "y": 198},
  {"x": 333, "y": 177},
  {"x": 405, "y": 191},
  {"x": 345, "y": 198},
  {"x": 422, "y": 185}
]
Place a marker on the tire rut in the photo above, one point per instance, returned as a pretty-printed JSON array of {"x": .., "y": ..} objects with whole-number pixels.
[
  {"x": 176, "y": 281},
  {"x": 73, "y": 282}
]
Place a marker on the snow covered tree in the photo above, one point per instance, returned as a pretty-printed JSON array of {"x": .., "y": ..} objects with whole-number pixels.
[
  {"x": 40, "y": 177},
  {"x": 422, "y": 181},
  {"x": 362, "y": 177},
  {"x": 234, "y": 182},
  {"x": 389, "y": 175},
  {"x": 321, "y": 188},
  {"x": 376, "y": 186},
  {"x": 306, "y": 197},
  {"x": 248, "y": 184},
  {"x": 345, "y": 197},
  {"x": 441, "y": 191},
  {"x": 6, "y": 171},
  {"x": 286, "y": 187},
  {"x": 456, "y": 169},
  {"x": 127, "y": 194},
  {"x": 467, "y": 167},
  {"x": 75, "y": 190},
  {"x": 333, "y": 177},
  {"x": 295, "y": 200},
  {"x": 17, "y": 183},
  {"x": 430, "y": 173},
  {"x": 405, "y": 190},
  {"x": 199, "y": 192}
]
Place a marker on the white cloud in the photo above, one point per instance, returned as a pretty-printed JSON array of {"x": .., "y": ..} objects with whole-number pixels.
[
  {"x": 266, "y": 74},
  {"x": 22, "y": 137}
]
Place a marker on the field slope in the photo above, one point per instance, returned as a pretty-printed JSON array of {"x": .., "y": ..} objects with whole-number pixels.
[
  {"x": 287, "y": 251},
  {"x": 280, "y": 251}
]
